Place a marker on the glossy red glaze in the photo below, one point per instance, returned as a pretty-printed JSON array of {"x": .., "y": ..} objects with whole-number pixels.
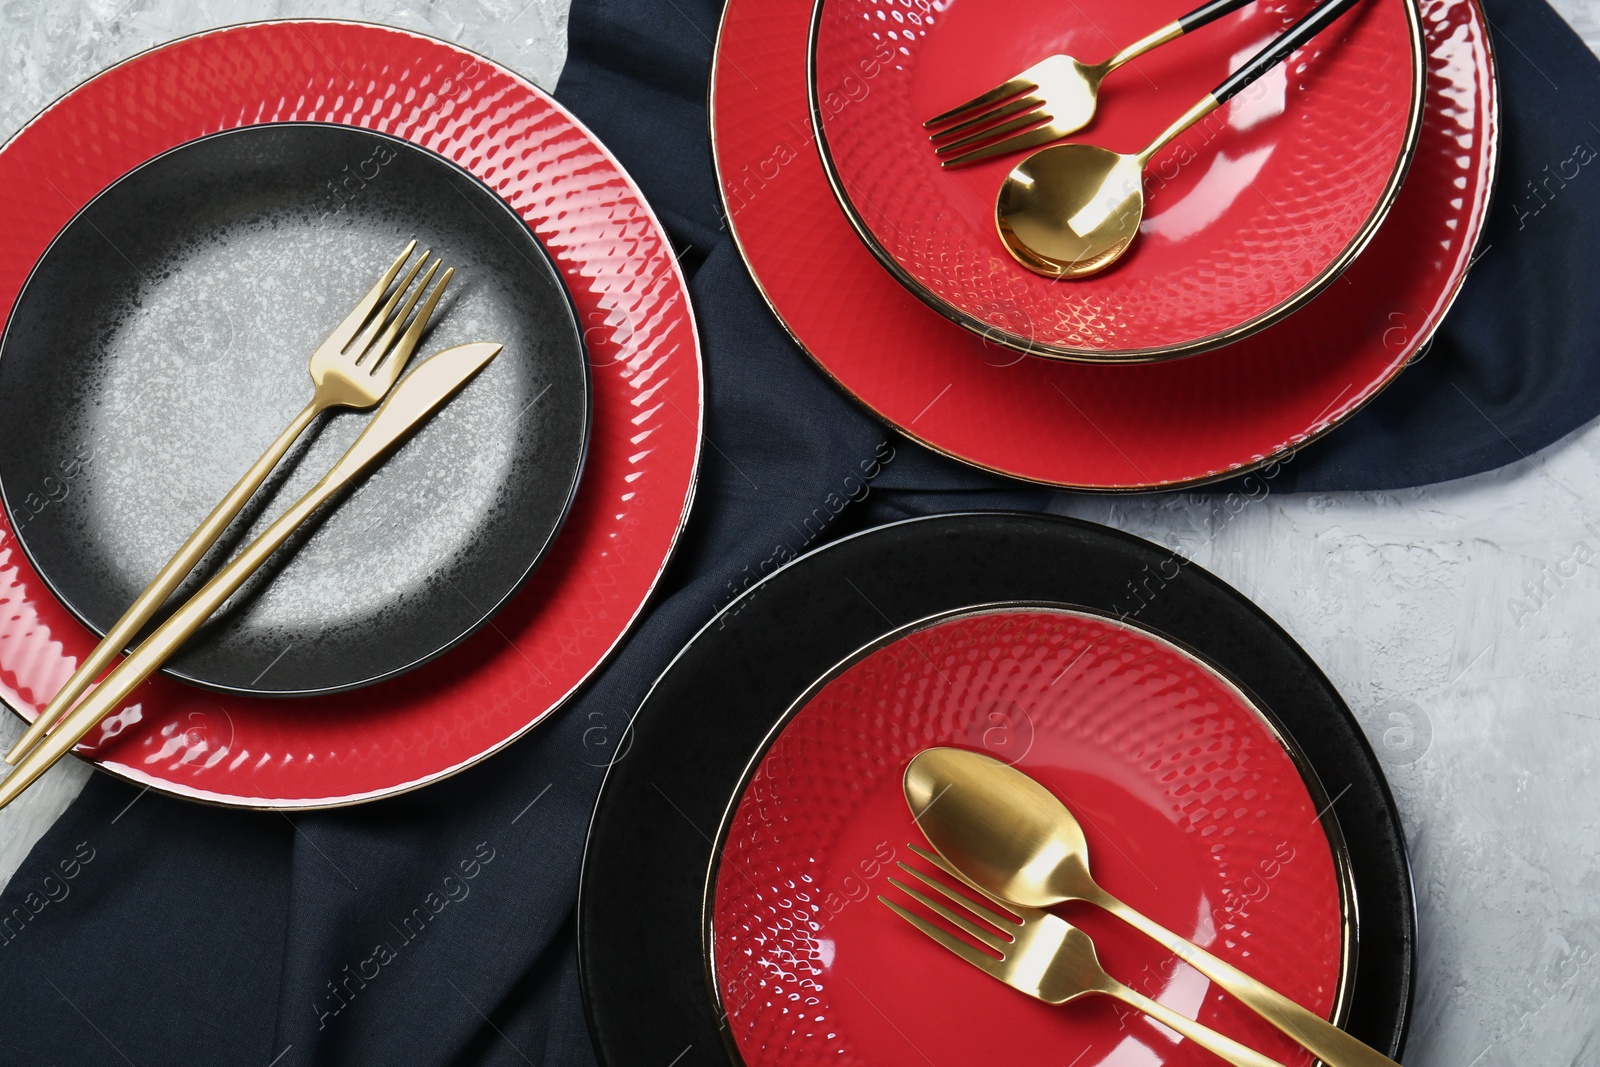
[
  {"x": 1194, "y": 813},
  {"x": 1246, "y": 213},
  {"x": 630, "y": 297},
  {"x": 1095, "y": 427}
]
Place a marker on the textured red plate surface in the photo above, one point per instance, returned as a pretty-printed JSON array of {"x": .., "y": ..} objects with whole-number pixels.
[
  {"x": 645, "y": 366},
  {"x": 1101, "y": 427},
  {"x": 1194, "y": 811},
  {"x": 1248, "y": 214}
]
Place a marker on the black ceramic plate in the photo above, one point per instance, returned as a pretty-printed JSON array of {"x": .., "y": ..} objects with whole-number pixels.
[
  {"x": 687, "y": 750},
  {"x": 162, "y": 342}
]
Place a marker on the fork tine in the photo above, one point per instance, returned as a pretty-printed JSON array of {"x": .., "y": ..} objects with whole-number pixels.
[
  {"x": 937, "y": 860},
  {"x": 973, "y": 955},
  {"x": 1004, "y": 922},
  {"x": 363, "y": 341},
  {"x": 346, "y": 330},
  {"x": 1005, "y": 89},
  {"x": 393, "y": 361},
  {"x": 1033, "y": 138},
  {"x": 397, "y": 321},
  {"x": 956, "y": 919},
  {"x": 999, "y": 134},
  {"x": 992, "y": 117}
]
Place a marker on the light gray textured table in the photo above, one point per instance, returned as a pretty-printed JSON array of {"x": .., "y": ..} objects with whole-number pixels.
[{"x": 1453, "y": 618}]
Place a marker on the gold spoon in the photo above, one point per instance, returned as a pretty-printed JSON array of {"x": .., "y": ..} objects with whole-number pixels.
[
  {"x": 1073, "y": 209},
  {"x": 1011, "y": 837}
]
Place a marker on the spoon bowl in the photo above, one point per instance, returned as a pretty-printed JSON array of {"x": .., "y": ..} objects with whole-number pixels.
[
  {"x": 1072, "y": 209},
  {"x": 961, "y": 798},
  {"x": 1011, "y": 837}
]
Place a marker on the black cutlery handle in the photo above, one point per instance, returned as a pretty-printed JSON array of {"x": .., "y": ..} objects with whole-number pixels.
[
  {"x": 1210, "y": 13},
  {"x": 1275, "y": 53}
]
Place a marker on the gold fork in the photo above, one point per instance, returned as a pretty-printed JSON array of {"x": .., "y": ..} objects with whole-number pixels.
[
  {"x": 412, "y": 403},
  {"x": 354, "y": 368},
  {"x": 1052, "y": 99},
  {"x": 1042, "y": 955}
]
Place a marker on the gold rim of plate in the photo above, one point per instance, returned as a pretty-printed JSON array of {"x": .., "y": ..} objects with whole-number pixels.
[
  {"x": 1344, "y": 873},
  {"x": 1278, "y": 455},
  {"x": 1016, "y": 342}
]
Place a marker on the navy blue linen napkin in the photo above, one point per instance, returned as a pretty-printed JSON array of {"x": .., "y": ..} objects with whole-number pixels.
[
  {"x": 436, "y": 928},
  {"x": 1516, "y": 364}
]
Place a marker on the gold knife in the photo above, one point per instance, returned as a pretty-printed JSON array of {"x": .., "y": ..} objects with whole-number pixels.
[{"x": 413, "y": 401}]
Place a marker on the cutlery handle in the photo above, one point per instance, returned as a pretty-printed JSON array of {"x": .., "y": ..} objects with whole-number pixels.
[
  {"x": 1219, "y": 1045},
  {"x": 408, "y": 406},
  {"x": 1200, "y": 16},
  {"x": 1207, "y": 13},
  {"x": 1299, "y": 34},
  {"x": 122, "y": 632},
  {"x": 160, "y": 645},
  {"x": 1322, "y": 1039},
  {"x": 1320, "y": 19}
]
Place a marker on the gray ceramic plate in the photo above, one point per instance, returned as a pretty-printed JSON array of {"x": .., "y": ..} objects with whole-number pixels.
[{"x": 162, "y": 342}]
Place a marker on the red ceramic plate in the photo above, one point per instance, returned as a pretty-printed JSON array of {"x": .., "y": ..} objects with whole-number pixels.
[
  {"x": 1146, "y": 426},
  {"x": 644, "y": 445},
  {"x": 1194, "y": 810},
  {"x": 1248, "y": 215}
]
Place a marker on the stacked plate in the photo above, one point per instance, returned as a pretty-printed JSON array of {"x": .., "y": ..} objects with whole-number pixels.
[
  {"x": 755, "y": 811},
  {"x": 1299, "y": 245},
  {"x": 1297, "y": 252},
  {"x": 180, "y": 232}
]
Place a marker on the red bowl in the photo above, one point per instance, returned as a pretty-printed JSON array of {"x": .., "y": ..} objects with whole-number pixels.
[
  {"x": 1195, "y": 811},
  {"x": 1155, "y": 425},
  {"x": 1248, "y": 214}
]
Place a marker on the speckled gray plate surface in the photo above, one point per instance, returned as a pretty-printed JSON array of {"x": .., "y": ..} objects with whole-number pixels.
[{"x": 162, "y": 342}]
